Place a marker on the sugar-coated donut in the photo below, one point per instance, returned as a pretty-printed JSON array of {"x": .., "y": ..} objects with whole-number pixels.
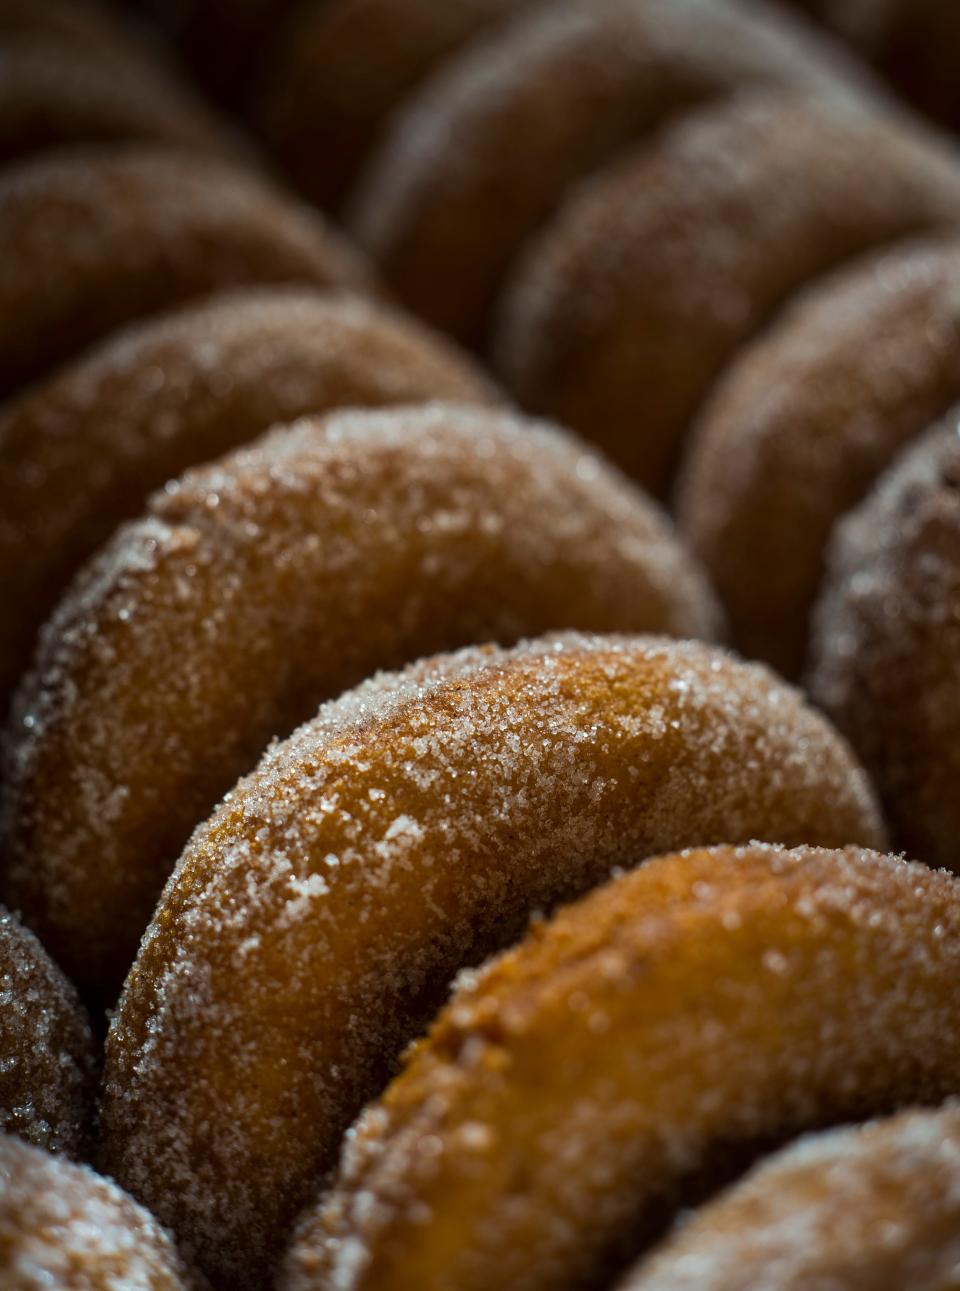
[
  {"x": 65, "y": 1228},
  {"x": 267, "y": 582},
  {"x": 50, "y": 95},
  {"x": 869, "y": 1209},
  {"x": 802, "y": 424},
  {"x": 46, "y": 1048},
  {"x": 95, "y": 238},
  {"x": 630, "y": 305},
  {"x": 578, "y": 1087},
  {"x": 314, "y": 922},
  {"x": 80, "y": 453},
  {"x": 86, "y": 26},
  {"x": 488, "y": 149},
  {"x": 886, "y": 640},
  {"x": 343, "y": 66}
]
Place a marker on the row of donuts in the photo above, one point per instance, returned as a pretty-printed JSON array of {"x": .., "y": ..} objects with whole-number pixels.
[{"x": 251, "y": 1031}]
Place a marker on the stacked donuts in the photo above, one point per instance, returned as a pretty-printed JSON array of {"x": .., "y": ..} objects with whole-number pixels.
[{"x": 406, "y": 889}]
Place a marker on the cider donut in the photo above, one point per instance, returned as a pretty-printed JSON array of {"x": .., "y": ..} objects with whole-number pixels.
[
  {"x": 801, "y": 425},
  {"x": 80, "y": 453},
  {"x": 343, "y": 67},
  {"x": 63, "y": 1226},
  {"x": 257, "y": 587},
  {"x": 485, "y": 153},
  {"x": 631, "y": 304},
  {"x": 313, "y": 924},
  {"x": 46, "y": 1048},
  {"x": 621, "y": 1056},
  {"x": 51, "y": 95},
  {"x": 869, "y": 1209},
  {"x": 97, "y": 238},
  {"x": 885, "y": 642}
]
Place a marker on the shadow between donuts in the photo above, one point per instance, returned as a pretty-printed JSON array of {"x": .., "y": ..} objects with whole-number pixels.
[{"x": 312, "y": 925}]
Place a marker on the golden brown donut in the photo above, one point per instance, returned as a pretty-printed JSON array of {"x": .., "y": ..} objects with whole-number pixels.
[
  {"x": 52, "y": 95},
  {"x": 314, "y": 922},
  {"x": 46, "y": 1048},
  {"x": 635, "y": 299},
  {"x": 344, "y": 66},
  {"x": 801, "y": 425},
  {"x": 488, "y": 149},
  {"x": 885, "y": 642},
  {"x": 257, "y": 587},
  {"x": 578, "y": 1087},
  {"x": 100, "y": 237},
  {"x": 87, "y": 26},
  {"x": 62, "y": 1226},
  {"x": 869, "y": 1209},
  {"x": 80, "y": 453}
]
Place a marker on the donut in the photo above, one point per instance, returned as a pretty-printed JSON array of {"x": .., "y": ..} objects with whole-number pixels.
[
  {"x": 621, "y": 1057},
  {"x": 255, "y": 588},
  {"x": 80, "y": 453},
  {"x": 875, "y": 1208},
  {"x": 96, "y": 238},
  {"x": 63, "y": 1226},
  {"x": 342, "y": 68},
  {"x": 46, "y": 1048},
  {"x": 313, "y": 924},
  {"x": 85, "y": 25},
  {"x": 631, "y": 304},
  {"x": 803, "y": 422},
  {"x": 486, "y": 152},
  {"x": 52, "y": 96},
  {"x": 885, "y": 640}
]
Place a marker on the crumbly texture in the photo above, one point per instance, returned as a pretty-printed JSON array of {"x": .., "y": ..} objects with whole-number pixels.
[
  {"x": 487, "y": 150},
  {"x": 271, "y": 580},
  {"x": 47, "y": 1059},
  {"x": 344, "y": 66},
  {"x": 314, "y": 923},
  {"x": 95, "y": 238},
  {"x": 64, "y": 1227},
  {"x": 650, "y": 280},
  {"x": 871, "y": 1209},
  {"x": 81, "y": 452},
  {"x": 801, "y": 426},
  {"x": 886, "y": 637},
  {"x": 688, "y": 1012}
]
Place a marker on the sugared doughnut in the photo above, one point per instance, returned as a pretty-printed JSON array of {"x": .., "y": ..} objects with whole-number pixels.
[
  {"x": 343, "y": 66},
  {"x": 314, "y": 922},
  {"x": 85, "y": 25},
  {"x": 81, "y": 452},
  {"x": 46, "y": 1048},
  {"x": 802, "y": 424},
  {"x": 269, "y": 581},
  {"x": 65, "y": 1228},
  {"x": 647, "y": 1037},
  {"x": 488, "y": 149},
  {"x": 96, "y": 238},
  {"x": 886, "y": 641},
  {"x": 871, "y": 1209},
  {"x": 52, "y": 95},
  {"x": 634, "y": 300}
]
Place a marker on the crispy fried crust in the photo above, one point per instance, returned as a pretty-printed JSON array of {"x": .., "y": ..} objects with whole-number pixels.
[
  {"x": 80, "y": 453},
  {"x": 314, "y": 922},
  {"x": 270, "y": 580},
  {"x": 870, "y": 1209},
  {"x": 96, "y": 238},
  {"x": 886, "y": 641},
  {"x": 801, "y": 426},
  {"x": 699, "y": 1005},
  {"x": 636, "y": 298}
]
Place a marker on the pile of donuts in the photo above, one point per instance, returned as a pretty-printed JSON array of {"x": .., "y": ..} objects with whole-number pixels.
[{"x": 480, "y": 544}]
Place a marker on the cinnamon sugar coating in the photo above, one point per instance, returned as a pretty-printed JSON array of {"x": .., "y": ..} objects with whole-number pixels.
[
  {"x": 704, "y": 1004},
  {"x": 313, "y": 924},
  {"x": 81, "y": 452}
]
